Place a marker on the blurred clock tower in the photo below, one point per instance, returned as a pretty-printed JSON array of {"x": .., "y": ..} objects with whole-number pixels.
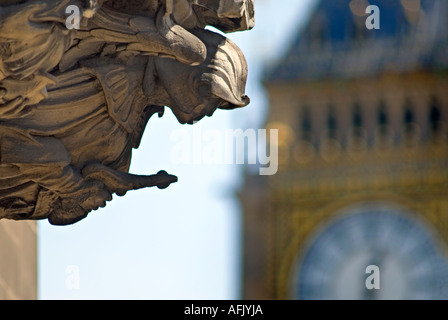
[{"x": 363, "y": 159}]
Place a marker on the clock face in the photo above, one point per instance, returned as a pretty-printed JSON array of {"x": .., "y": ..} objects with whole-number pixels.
[{"x": 410, "y": 264}]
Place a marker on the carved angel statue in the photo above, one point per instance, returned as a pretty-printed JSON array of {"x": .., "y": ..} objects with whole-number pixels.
[{"x": 75, "y": 102}]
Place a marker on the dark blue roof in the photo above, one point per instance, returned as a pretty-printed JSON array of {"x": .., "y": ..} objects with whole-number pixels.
[{"x": 335, "y": 42}]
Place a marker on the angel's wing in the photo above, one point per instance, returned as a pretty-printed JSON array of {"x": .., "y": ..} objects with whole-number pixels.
[
  {"x": 122, "y": 90},
  {"x": 157, "y": 36}
]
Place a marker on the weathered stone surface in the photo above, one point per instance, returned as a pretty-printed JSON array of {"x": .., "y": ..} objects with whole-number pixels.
[{"x": 74, "y": 103}]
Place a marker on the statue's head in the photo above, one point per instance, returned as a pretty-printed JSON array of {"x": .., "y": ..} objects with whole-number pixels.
[{"x": 197, "y": 91}]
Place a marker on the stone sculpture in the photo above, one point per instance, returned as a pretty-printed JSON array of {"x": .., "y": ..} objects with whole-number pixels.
[{"x": 75, "y": 102}]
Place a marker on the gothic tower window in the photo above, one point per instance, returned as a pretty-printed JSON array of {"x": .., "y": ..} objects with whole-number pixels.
[
  {"x": 332, "y": 125},
  {"x": 408, "y": 117},
  {"x": 357, "y": 120},
  {"x": 384, "y": 137},
  {"x": 305, "y": 124},
  {"x": 410, "y": 132},
  {"x": 435, "y": 117},
  {"x": 383, "y": 122}
]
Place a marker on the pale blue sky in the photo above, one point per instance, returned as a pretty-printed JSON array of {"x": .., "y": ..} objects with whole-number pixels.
[{"x": 183, "y": 242}]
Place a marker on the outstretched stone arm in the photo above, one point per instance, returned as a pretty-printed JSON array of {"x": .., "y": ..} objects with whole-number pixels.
[{"x": 120, "y": 182}]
